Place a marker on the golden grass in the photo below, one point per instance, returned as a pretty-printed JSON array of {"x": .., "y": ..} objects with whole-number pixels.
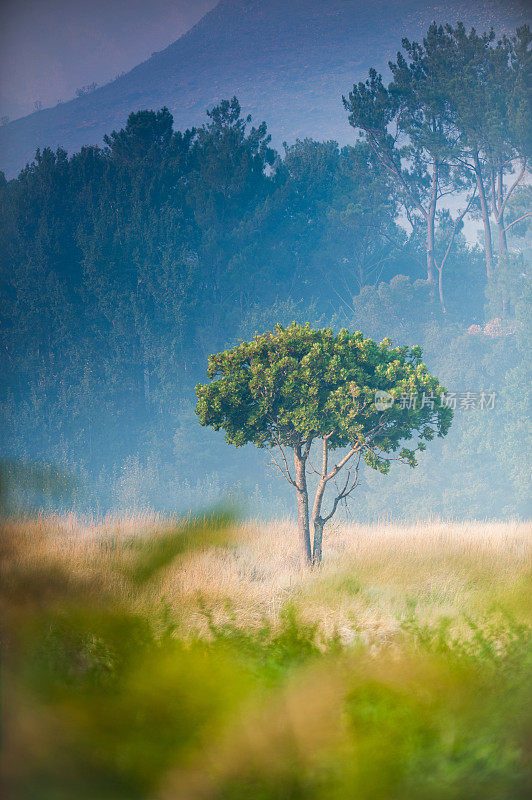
[{"x": 372, "y": 578}]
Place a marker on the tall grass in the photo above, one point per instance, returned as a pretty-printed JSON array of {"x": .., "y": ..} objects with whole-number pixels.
[{"x": 146, "y": 658}]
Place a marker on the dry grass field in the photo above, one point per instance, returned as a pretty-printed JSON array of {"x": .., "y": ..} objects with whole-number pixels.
[
  {"x": 147, "y": 659},
  {"x": 372, "y": 576}
]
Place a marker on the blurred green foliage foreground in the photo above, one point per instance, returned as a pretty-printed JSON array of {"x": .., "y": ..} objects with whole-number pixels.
[{"x": 105, "y": 696}]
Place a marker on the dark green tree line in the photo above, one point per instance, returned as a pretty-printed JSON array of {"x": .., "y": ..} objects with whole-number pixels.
[{"x": 123, "y": 267}]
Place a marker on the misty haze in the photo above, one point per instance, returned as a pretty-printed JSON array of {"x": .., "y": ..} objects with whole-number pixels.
[{"x": 265, "y": 340}]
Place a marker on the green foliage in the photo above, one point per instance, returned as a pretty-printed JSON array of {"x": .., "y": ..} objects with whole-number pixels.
[
  {"x": 299, "y": 383},
  {"x": 272, "y": 652},
  {"x": 506, "y": 286}
]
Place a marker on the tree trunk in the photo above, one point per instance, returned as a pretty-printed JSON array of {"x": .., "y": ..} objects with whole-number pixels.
[
  {"x": 302, "y": 505},
  {"x": 503, "y": 244},
  {"x": 317, "y": 521},
  {"x": 318, "y": 538},
  {"x": 488, "y": 246},
  {"x": 431, "y": 217},
  {"x": 503, "y": 252},
  {"x": 499, "y": 215},
  {"x": 440, "y": 290},
  {"x": 431, "y": 269}
]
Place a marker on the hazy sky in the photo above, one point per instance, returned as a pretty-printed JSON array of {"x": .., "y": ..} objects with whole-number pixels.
[{"x": 49, "y": 48}]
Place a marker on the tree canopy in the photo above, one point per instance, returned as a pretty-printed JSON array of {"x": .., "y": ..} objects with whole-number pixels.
[
  {"x": 453, "y": 120},
  {"x": 294, "y": 386}
]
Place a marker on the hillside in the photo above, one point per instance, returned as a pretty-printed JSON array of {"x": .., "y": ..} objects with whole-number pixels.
[{"x": 287, "y": 63}]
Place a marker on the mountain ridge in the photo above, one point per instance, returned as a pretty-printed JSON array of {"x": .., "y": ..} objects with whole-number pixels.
[{"x": 288, "y": 65}]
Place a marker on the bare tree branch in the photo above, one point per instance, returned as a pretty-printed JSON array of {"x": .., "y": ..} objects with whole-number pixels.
[
  {"x": 453, "y": 234},
  {"x": 389, "y": 164},
  {"x": 519, "y": 219},
  {"x": 512, "y": 187},
  {"x": 344, "y": 493},
  {"x": 286, "y": 475},
  {"x": 341, "y": 463}
]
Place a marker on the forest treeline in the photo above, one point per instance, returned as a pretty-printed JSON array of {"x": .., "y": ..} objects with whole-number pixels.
[{"x": 124, "y": 266}]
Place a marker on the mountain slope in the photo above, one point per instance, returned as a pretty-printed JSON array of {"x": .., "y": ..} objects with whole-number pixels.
[{"x": 288, "y": 63}]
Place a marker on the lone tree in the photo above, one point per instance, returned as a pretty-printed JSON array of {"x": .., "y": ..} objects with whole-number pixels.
[{"x": 295, "y": 387}]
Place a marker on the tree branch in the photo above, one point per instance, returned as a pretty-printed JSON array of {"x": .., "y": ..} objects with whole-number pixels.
[
  {"x": 494, "y": 194},
  {"x": 455, "y": 227},
  {"x": 519, "y": 219},
  {"x": 512, "y": 187},
  {"x": 391, "y": 167},
  {"x": 343, "y": 462},
  {"x": 345, "y": 491},
  {"x": 286, "y": 475}
]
